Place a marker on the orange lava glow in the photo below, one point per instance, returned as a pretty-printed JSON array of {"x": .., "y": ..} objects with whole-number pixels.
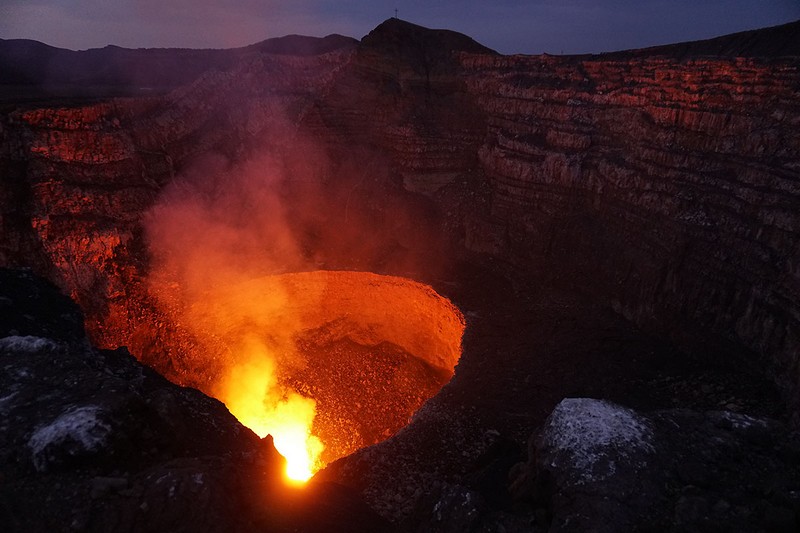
[
  {"x": 253, "y": 395},
  {"x": 326, "y": 362}
]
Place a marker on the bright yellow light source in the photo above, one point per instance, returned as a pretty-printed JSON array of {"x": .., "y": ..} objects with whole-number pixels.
[
  {"x": 298, "y": 446},
  {"x": 253, "y": 396}
]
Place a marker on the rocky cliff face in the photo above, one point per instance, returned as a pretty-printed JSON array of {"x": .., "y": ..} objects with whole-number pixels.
[
  {"x": 663, "y": 188},
  {"x": 83, "y": 177},
  {"x": 669, "y": 189}
]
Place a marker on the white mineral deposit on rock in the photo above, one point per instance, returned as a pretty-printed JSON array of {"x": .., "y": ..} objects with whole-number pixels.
[
  {"x": 585, "y": 430},
  {"x": 26, "y": 344},
  {"x": 81, "y": 425}
]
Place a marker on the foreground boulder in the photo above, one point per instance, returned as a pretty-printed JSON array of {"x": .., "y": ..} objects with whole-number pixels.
[
  {"x": 91, "y": 440},
  {"x": 597, "y": 466}
]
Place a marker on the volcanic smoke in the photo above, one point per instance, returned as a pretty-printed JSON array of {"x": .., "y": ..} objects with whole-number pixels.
[
  {"x": 216, "y": 226},
  {"x": 222, "y": 242}
]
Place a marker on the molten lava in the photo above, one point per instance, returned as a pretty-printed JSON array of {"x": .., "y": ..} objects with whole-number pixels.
[
  {"x": 253, "y": 395},
  {"x": 325, "y": 362}
]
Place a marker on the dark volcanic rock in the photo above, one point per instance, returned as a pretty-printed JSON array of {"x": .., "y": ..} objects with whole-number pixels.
[
  {"x": 597, "y": 466},
  {"x": 90, "y": 440}
]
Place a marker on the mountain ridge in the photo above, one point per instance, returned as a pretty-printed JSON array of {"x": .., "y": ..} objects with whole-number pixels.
[
  {"x": 773, "y": 41},
  {"x": 32, "y": 70},
  {"x": 36, "y": 71}
]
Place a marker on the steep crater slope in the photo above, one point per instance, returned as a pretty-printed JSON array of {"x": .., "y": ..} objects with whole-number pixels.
[{"x": 668, "y": 189}]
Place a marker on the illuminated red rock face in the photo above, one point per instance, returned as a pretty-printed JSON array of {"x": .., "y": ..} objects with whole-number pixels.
[
  {"x": 326, "y": 362},
  {"x": 666, "y": 187}
]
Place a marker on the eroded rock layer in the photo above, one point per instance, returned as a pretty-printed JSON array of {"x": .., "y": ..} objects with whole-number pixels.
[{"x": 668, "y": 188}]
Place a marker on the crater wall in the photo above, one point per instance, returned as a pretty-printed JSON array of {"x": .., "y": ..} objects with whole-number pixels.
[{"x": 667, "y": 188}]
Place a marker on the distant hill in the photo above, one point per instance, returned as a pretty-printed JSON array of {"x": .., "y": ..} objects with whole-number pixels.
[
  {"x": 423, "y": 49},
  {"x": 33, "y": 70},
  {"x": 399, "y": 37},
  {"x": 775, "y": 41}
]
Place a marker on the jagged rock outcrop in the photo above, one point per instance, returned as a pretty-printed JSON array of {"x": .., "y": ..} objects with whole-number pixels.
[
  {"x": 596, "y": 466},
  {"x": 91, "y": 440}
]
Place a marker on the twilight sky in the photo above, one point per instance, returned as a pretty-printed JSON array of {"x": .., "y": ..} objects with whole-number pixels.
[{"x": 508, "y": 26}]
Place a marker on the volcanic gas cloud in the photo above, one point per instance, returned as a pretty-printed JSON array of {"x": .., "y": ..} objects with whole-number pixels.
[{"x": 324, "y": 361}]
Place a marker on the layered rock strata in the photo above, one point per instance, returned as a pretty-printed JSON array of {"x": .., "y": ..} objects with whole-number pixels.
[{"x": 669, "y": 189}]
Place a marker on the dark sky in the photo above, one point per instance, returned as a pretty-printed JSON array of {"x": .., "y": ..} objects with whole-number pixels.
[{"x": 508, "y": 26}]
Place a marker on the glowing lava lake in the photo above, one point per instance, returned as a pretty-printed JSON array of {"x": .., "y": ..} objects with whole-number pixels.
[{"x": 327, "y": 362}]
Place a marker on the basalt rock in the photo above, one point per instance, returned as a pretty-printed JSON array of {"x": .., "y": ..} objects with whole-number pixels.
[
  {"x": 91, "y": 440},
  {"x": 596, "y": 466}
]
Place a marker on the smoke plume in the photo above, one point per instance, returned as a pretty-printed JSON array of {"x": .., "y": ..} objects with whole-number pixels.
[{"x": 216, "y": 226}]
